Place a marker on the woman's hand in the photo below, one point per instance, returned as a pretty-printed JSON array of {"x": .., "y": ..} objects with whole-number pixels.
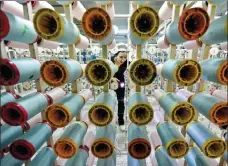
[{"x": 114, "y": 83}]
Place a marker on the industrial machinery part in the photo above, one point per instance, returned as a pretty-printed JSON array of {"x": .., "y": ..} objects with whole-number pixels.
[
  {"x": 139, "y": 146},
  {"x": 211, "y": 145},
  {"x": 163, "y": 158},
  {"x": 15, "y": 28},
  {"x": 100, "y": 71},
  {"x": 45, "y": 157},
  {"x": 102, "y": 111},
  {"x": 215, "y": 109},
  {"x": 18, "y": 112},
  {"x": 68, "y": 144},
  {"x": 196, "y": 158},
  {"x": 27, "y": 145},
  {"x": 183, "y": 72},
  {"x": 50, "y": 25},
  {"x": 142, "y": 71},
  {"x": 7, "y": 97},
  {"x": 220, "y": 94},
  {"x": 193, "y": 23},
  {"x": 144, "y": 24},
  {"x": 103, "y": 145},
  {"x": 217, "y": 32},
  {"x": 79, "y": 158},
  {"x": 59, "y": 72},
  {"x": 14, "y": 71},
  {"x": 179, "y": 111},
  {"x": 10, "y": 133},
  {"x": 139, "y": 109},
  {"x": 62, "y": 112},
  {"x": 77, "y": 8},
  {"x": 10, "y": 160},
  {"x": 135, "y": 162},
  {"x": 110, "y": 161},
  {"x": 108, "y": 6},
  {"x": 215, "y": 70},
  {"x": 174, "y": 143},
  {"x": 97, "y": 24}
]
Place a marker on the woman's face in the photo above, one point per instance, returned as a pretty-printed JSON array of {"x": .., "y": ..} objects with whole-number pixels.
[{"x": 121, "y": 57}]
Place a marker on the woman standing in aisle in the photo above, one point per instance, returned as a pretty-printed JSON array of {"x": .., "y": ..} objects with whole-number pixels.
[{"x": 120, "y": 60}]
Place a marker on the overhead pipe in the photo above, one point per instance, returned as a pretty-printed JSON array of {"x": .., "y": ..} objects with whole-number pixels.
[
  {"x": 97, "y": 25},
  {"x": 10, "y": 133},
  {"x": 77, "y": 8},
  {"x": 7, "y": 97},
  {"x": 142, "y": 71},
  {"x": 61, "y": 113},
  {"x": 184, "y": 72},
  {"x": 217, "y": 32},
  {"x": 135, "y": 162},
  {"x": 144, "y": 23},
  {"x": 179, "y": 111},
  {"x": 17, "y": 29},
  {"x": 104, "y": 142},
  {"x": 193, "y": 24},
  {"x": 27, "y": 145},
  {"x": 14, "y": 71},
  {"x": 139, "y": 109},
  {"x": 18, "y": 112},
  {"x": 68, "y": 143},
  {"x": 139, "y": 146},
  {"x": 193, "y": 44},
  {"x": 195, "y": 157},
  {"x": 100, "y": 71},
  {"x": 45, "y": 157},
  {"x": 220, "y": 94},
  {"x": 110, "y": 161},
  {"x": 162, "y": 157},
  {"x": 165, "y": 12},
  {"x": 102, "y": 111},
  {"x": 50, "y": 25},
  {"x": 214, "y": 109},
  {"x": 83, "y": 154},
  {"x": 108, "y": 6},
  {"x": 10, "y": 160},
  {"x": 215, "y": 70},
  {"x": 59, "y": 72},
  {"x": 174, "y": 143},
  {"x": 211, "y": 145}
]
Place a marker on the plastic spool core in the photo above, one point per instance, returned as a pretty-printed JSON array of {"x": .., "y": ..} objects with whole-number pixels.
[
  {"x": 194, "y": 23},
  {"x": 139, "y": 149},
  {"x": 215, "y": 149},
  {"x": 142, "y": 72},
  {"x": 183, "y": 115},
  {"x": 102, "y": 149},
  {"x": 144, "y": 23},
  {"x": 47, "y": 24},
  {"x": 13, "y": 115},
  {"x": 187, "y": 72},
  {"x": 221, "y": 115},
  {"x": 225, "y": 73},
  {"x": 178, "y": 149},
  {"x": 99, "y": 72},
  {"x": 6, "y": 72},
  {"x": 100, "y": 115},
  {"x": 20, "y": 149},
  {"x": 53, "y": 73},
  {"x": 141, "y": 114},
  {"x": 64, "y": 149},
  {"x": 57, "y": 116},
  {"x": 97, "y": 24}
]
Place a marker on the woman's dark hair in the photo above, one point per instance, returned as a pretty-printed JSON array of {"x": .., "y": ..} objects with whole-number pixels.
[{"x": 116, "y": 54}]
